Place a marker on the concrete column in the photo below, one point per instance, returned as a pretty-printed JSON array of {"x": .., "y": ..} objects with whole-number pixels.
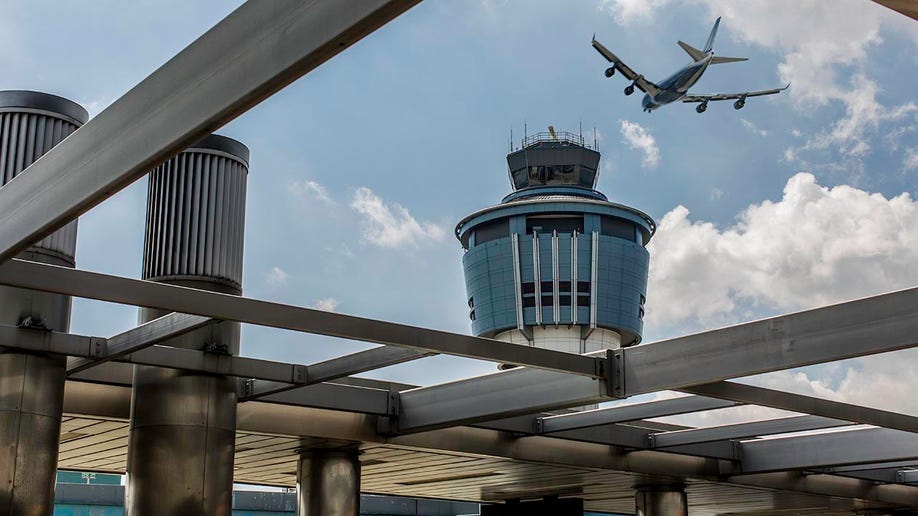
[
  {"x": 183, "y": 426},
  {"x": 328, "y": 482},
  {"x": 660, "y": 500},
  {"x": 32, "y": 385}
]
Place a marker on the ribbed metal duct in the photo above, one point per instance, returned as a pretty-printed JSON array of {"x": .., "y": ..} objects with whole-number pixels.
[
  {"x": 196, "y": 214},
  {"x": 31, "y": 123}
]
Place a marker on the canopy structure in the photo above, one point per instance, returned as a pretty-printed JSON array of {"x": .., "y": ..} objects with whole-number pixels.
[{"x": 491, "y": 438}]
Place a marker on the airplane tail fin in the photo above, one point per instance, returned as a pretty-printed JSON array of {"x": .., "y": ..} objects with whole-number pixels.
[
  {"x": 721, "y": 59},
  {"x": 696, "y": 54},
  {"x": 710, "y": 44}
]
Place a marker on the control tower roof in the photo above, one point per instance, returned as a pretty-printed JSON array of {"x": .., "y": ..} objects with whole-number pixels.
[{"x": 553, "y": 159}]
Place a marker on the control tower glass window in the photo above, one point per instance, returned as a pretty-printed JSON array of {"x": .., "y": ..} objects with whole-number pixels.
[
  {"x": 618, "y": 229},
  {"x": 559, "y": 175},
  {"x": 492, "y": 231},
  {"x": 548, "y": 225}
]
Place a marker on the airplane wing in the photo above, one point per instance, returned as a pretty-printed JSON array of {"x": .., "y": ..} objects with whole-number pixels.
[
  {"x": 638, "y": 79},
  {"x": 706, "y": 97}
]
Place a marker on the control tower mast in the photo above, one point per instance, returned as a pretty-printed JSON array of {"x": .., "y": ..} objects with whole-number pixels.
[{"x": 556, "y": 265}]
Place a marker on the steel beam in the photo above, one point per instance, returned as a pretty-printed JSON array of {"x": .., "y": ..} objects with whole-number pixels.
[
  {"x": 743, "y": 430},
  {"x": 335, "y": 368},
  {"x": 104, "y": 287},
  {"x": 649, "y": 410},
  {"x": 138, "y": 338},
  {"x": 806, "y": 404},
  {"x": 251, "y": 54},
  {"x": 335, "y": 396},
  {"x": 499, "y": 395},
  {"x": 828, "y": 449},
  {"x": 878, "y": 324}
]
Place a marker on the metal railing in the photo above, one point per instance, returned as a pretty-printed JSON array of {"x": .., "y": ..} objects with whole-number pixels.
[{"x": 558, "y": 136}]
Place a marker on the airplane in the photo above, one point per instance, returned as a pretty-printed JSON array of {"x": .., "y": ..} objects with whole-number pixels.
[{"x": 675, "y": 87}]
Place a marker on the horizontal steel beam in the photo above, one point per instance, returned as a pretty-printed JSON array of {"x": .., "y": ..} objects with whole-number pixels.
[
  {"x": 743, "y": 430},
  {"x": 499, "y": 395},
  {"x": 648, "y": 410},
  {"x": 251, "y": 54},
  {"x": 828, "y": 449},
  {"x": 145, "y": 335},
  {"x": 806, "y": 404},
  {"x": 895, "y": 465},
  {"x": 335, "y": 368},
  {"x": 867, "y": 326},
  {"x": 104, "y": 287},
  {"x": 334, "y": 396},
  {"x": 885, "y": 475}
]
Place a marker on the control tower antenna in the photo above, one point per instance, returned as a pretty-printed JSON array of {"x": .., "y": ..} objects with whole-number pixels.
[{"x": 595, "y": 141}]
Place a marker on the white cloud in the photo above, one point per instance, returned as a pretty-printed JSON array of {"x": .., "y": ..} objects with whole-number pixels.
[
  {"x": 276, "y": 277},
  {"x": 754, "y": 129},
  {"x": 328, "y": 304},
  {"x": 716, "y": 193},
  {"x": 796, "y": 133},
  {"x": 910, "y": 162},
  {"x": 814, "y": 246},
  {"x": 307, "y": 190},
  {"x": 391, "y": 225},
  {"x": 629, "y": 11},
  {"x": 825, "y": 49},
  {"x": 638, "y": 138}
]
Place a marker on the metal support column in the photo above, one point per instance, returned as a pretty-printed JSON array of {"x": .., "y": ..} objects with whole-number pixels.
[
  {"x": 660, "y": 500},
  {"x": 32, "y": 385},
  {"x": 328, "y": 482},
  {"x": 183, "y": 425}
]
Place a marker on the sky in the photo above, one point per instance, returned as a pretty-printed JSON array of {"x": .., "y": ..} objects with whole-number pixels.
[{"x": 360, "y": 169}]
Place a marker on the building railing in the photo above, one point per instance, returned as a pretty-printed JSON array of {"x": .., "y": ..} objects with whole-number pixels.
[{"x": 558, "y": 136}]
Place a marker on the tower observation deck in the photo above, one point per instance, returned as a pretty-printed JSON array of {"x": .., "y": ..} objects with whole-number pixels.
[{"x": 555, "y": 264}]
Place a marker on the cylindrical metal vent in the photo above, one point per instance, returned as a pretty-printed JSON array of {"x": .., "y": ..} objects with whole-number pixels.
[
  {"x": 31, "y": 123},
  {"x": 32, "y": 384},
  {"x": 196, "y": 216},
  {"x": 183, "y": 426}
]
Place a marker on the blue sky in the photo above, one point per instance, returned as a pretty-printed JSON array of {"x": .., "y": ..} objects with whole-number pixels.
[{"x": 360, "y": 169}]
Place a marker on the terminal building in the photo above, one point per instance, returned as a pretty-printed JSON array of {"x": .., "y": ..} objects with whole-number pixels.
[{"x": 556, "y": 265}]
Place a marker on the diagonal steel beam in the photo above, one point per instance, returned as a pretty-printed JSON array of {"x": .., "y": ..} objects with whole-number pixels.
[
  {"x": 104, "y": 287},
  {"x": 638, "y": 411},
  {"x": 806, "y": 404},
  {"x": 335, "y": 368},
  {"x": 878, "y": 324},
  {"x": 251, "y": 54},
  {"x": 906, "y": 7},
  {"x": 743, "y": 430},
  {"x": 145, "y": 335}
]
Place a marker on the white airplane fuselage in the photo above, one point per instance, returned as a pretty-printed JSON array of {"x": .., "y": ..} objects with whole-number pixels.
[{"x": 677, "y": 85}]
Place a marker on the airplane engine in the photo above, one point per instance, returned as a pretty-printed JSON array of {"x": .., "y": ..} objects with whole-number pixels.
[
  {"x": 629, "y": 89},
  {"x": 610, "y": 71},
  {"x": 739, "y": 104},
  {"x": 702, "y": 107}
]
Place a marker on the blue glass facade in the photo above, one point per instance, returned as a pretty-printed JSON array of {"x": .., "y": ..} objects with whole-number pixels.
[{"x": 556, "y": 252}]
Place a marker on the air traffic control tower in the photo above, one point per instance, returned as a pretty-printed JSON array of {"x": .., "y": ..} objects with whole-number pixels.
[{"x": 556, "y": 265}]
